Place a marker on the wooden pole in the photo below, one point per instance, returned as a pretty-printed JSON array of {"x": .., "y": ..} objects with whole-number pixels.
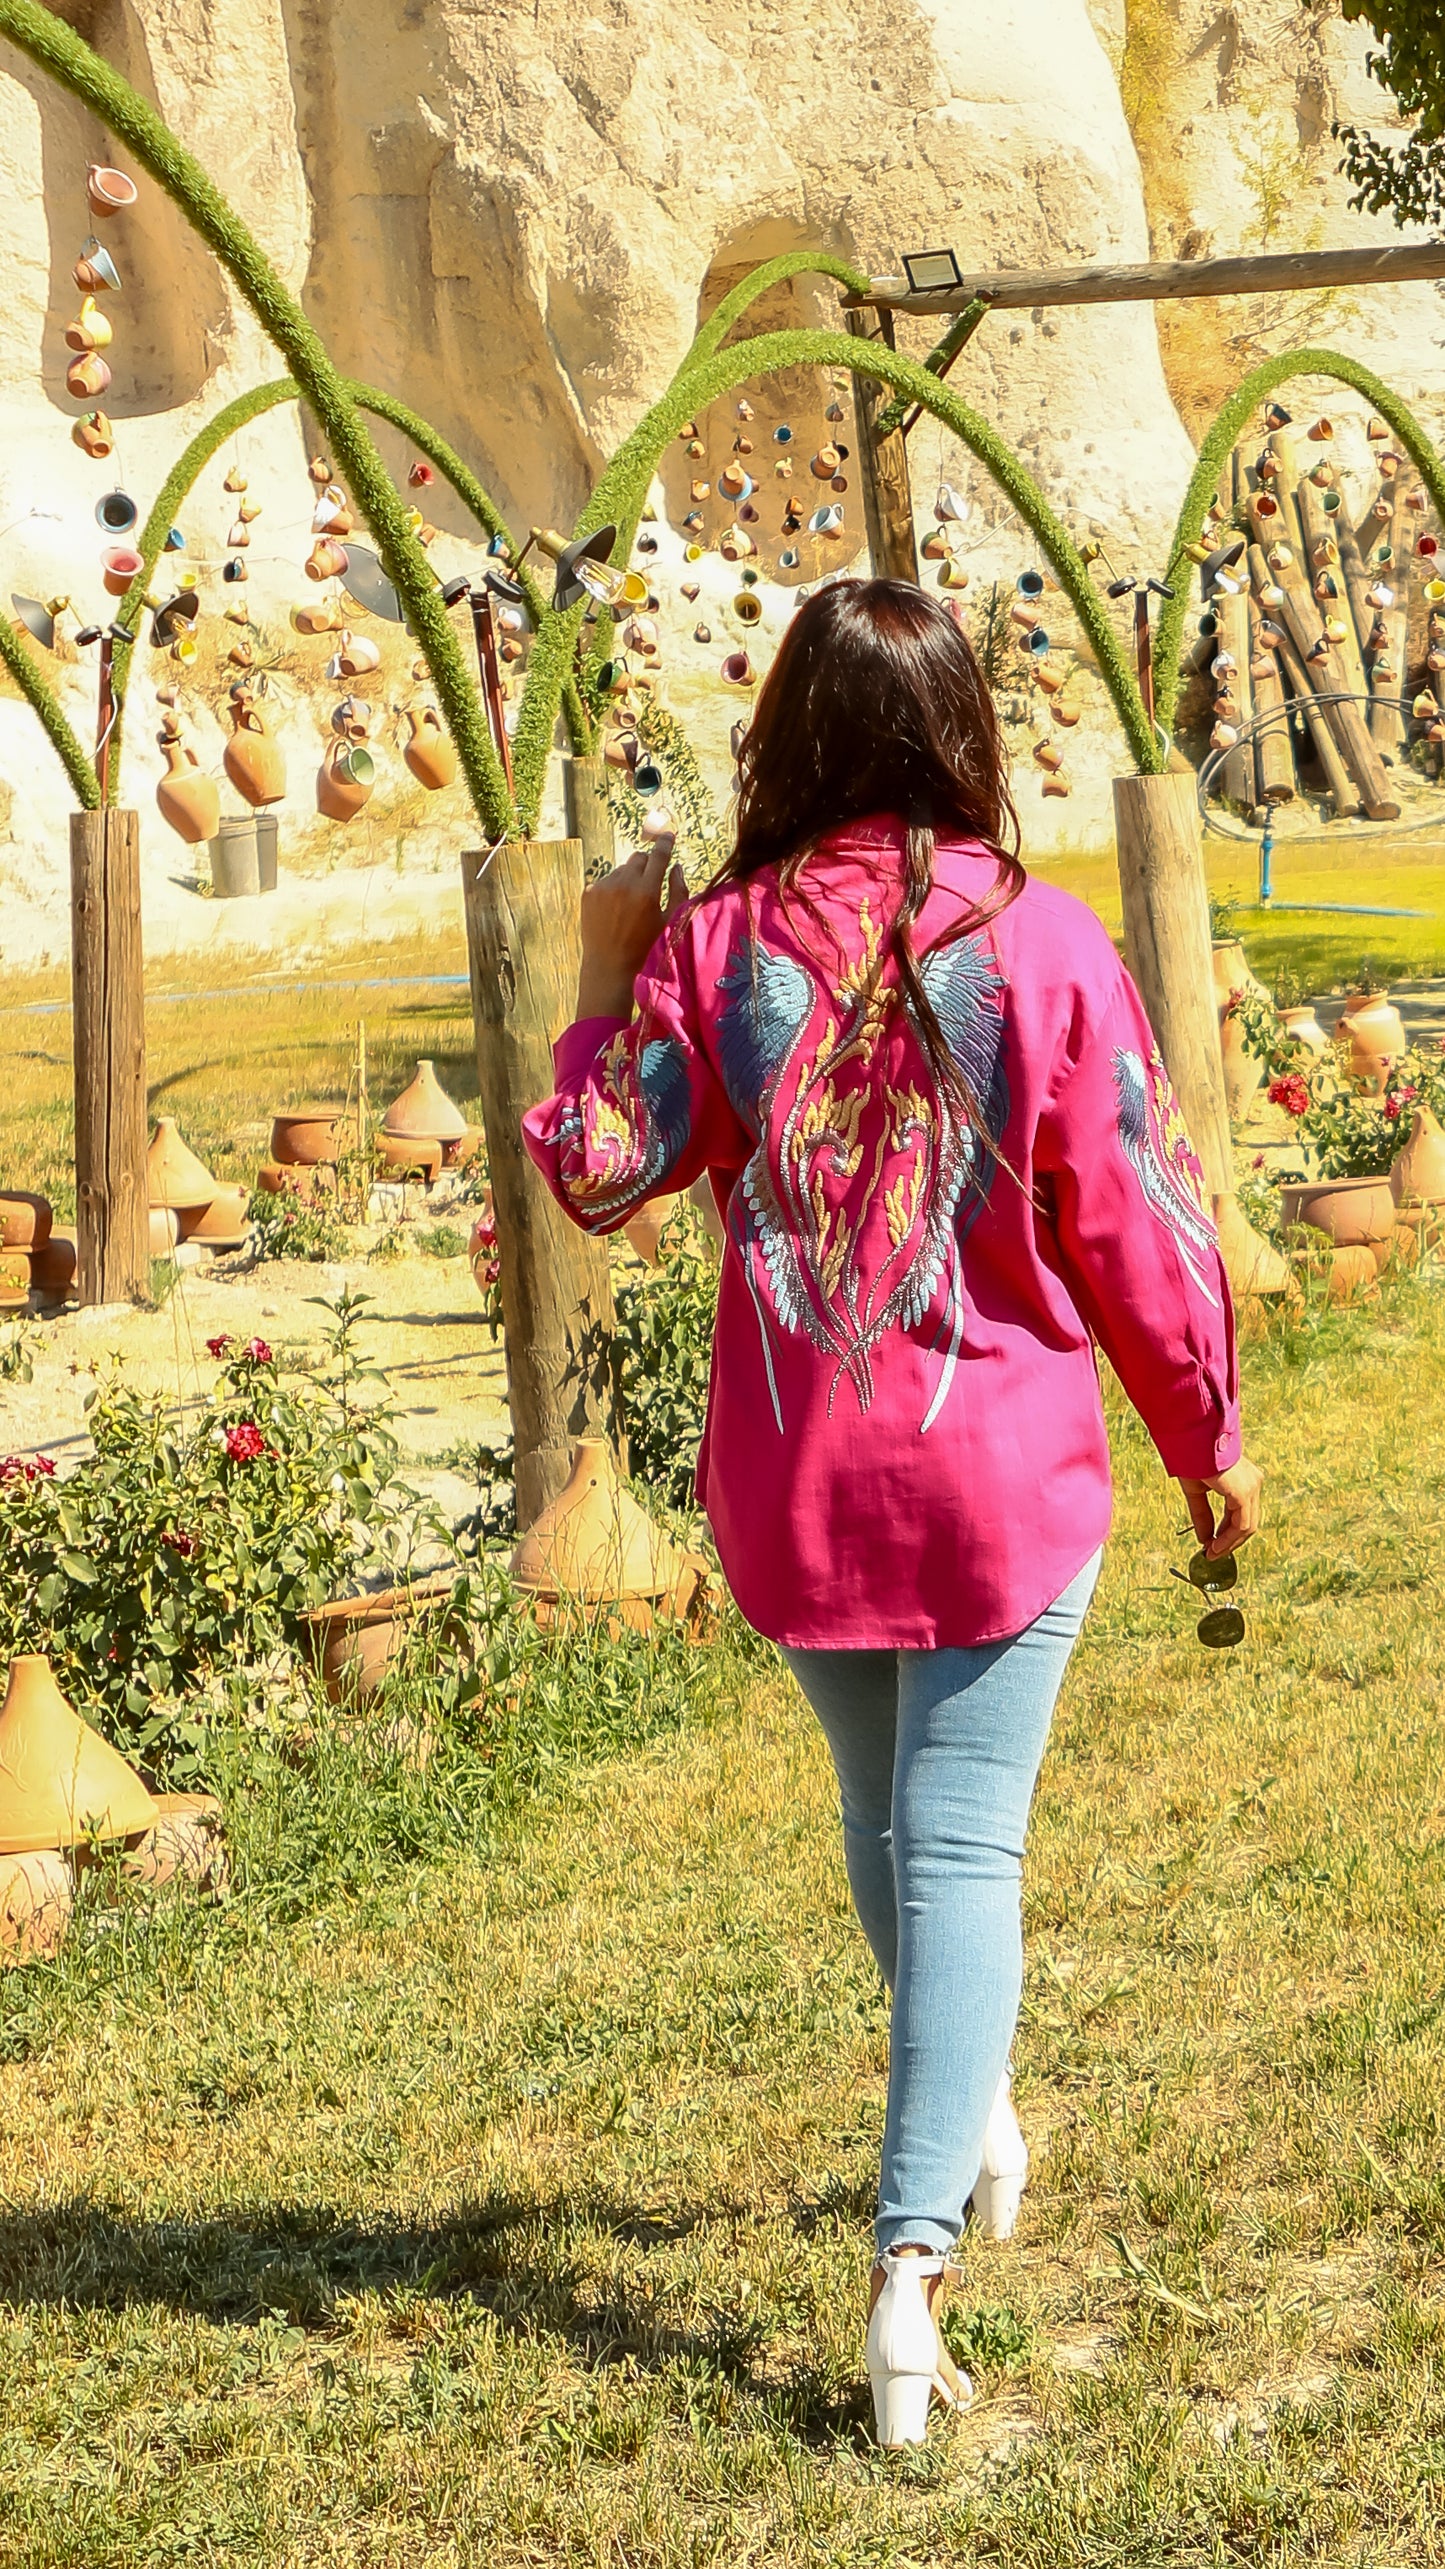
[
  {"x": 1273, "y": 753},
  {"x": 589, "y": 814},
  {"x": 1377, "y": 532},
  {"x": 1166, "y": 941},
  {"x": 1322, "y": 534},
  {"x": 883, "y": 471},
  {"x": 1338, "y": 782},
  {"x": 108, "y": 994},
  {"x": 523, "y": 948},
  {"x": 1236, "y": 776},
  {"x": 1267, "y": 272}
]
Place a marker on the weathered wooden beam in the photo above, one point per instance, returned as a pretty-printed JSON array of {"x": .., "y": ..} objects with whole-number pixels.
[
  {"x": 1270, "y": 272},
  {"x": 883, "y": 473},
  {"x": 108, "y": 993}
]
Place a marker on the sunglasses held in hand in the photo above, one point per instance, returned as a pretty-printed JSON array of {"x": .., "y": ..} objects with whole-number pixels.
[{"x": 1222, "y": 1627}]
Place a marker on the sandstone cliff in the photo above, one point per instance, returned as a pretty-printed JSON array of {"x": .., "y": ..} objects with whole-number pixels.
[{"x": 514, "y": 216}]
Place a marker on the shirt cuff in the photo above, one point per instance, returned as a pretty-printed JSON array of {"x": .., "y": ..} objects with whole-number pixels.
[
  {"x": 1197, "y": 1453},
  {"x": 578, "y": 1046}
]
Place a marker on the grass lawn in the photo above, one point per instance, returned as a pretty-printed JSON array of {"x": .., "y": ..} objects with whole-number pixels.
[{"x": 489, "y": 2181}]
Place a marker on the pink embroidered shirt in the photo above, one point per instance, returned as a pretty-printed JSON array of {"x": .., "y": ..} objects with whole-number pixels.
[{"x": 905, "y": 1446}]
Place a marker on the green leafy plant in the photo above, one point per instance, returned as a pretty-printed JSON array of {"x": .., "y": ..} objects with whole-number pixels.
[
  {"x": 441, "y": 1240},
  {"x": 1347, "y": 1130},
  {"x": 1404, "y": 179},
  {"x": 662, "y": 1352},
  {"x": 285, "y": 1229},
  {"x": 188, "y": 1544},
  {"x": 15, "y": 1363}
]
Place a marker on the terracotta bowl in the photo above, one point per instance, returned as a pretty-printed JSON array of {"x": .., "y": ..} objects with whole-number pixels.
[
  {"x": 308, "y": 1136},
  {"x": 24, "y": 1219},
  {"x": 406, "y": 1154},
  {"x": 52, "y": 1269},
  {"x": 1351, "y": 1211},
  {"x": 14, "y": 1279},
  {"x": 358, "y": 1638},
  {"x": 222, "y": 1222}
]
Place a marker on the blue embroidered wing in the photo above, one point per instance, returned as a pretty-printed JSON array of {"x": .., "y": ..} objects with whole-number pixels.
[
  {"x": 767, "y": 1001},
  {"x": 1164, "y": 1166},
  {"x": 962, "y": 982}
]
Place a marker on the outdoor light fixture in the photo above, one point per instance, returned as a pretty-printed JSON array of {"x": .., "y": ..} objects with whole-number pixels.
[
  {"x": 38, "y": 620},
  {"x": 176, "y": 617},
  {"x": 931, "y": 271},
  {"x": 369, "y": 585},
  {"x": 584, "y": 571}
]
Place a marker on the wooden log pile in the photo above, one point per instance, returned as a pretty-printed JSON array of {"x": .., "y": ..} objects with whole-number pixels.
[{"x": 1316, "y": 626}]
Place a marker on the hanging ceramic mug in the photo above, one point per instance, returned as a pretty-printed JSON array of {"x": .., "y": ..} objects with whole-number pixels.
[
  {"x": 345, "y": 780},
  {"x": 234, "y": 570},
  {"x": 950, "y": 506},
  {"x": 117, "y": 513},
  {"x": 748, "y": 607},
  {"x": 175, "y": 542},
  {"x": 825, "y": 463},
  {"x": 646, "y": 779},
  {"x": 110, "y": 191},
  {"x": 1030, "y": 584},
  {"x": 356, "y": 656},
  {"x": 738, "y": 670},
  {"x": 733, "y": 482},
  {"x": 95, "y": 271},
  {"x": 782, "y": 434},
  {"x": 702, "y": 633},
  {"x": 1321, "y": 430},
  {"x": 327, "y": 560},
  {"x": 90, "y": 329},
  {"x": 120, "y": 564},
  {"x": 826, "y": 521}
]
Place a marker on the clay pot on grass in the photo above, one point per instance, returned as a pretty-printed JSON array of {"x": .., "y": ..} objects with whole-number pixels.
[
  {"x": 1418, "y": 1174},
  {"x": 221, "y": 1224},
  {"x": 174, "y": 1175},
  {"x": 60, "y": 1782},
  {"x": 359, "y": 1639},
  {"x": 183, "y": 1844},
  {"x": 52, "y": 1269},
  {"x": 424, "y": 1108},
  {"x": 24, "y": 1219},
  {"x": 1352, "y": 1212},
  {"x": 593, "y": 1542},
  {"x": 1305, "y": 1027},
  {"x": 307, "y": 1136},
  {"x": 1242, "y": 1071}
]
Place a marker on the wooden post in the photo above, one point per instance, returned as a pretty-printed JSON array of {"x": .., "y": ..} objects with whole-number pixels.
[
  {"x": 108, "y": 995},
  {"x": 883, "y": 471},
  {"x": 1166, "y": 940},
  {"x": 1376, "y": 532},
  {"x": 1236, "y": 776},
  {"x": 589, "y": 815},
  {"x": 1273, "y": 753},
  {"x": 523, "y": 948}
]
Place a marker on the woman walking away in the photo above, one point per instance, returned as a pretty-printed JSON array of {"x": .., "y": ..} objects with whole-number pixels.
[{"x": 950, "y": 1163}]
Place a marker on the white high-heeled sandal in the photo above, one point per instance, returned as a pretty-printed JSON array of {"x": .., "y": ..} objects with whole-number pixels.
[
  {"x": 1004, "y": 2171},
  {"x": 904, "y": 2349}
]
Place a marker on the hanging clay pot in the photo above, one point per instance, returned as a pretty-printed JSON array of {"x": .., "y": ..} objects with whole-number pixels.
[
  {"x": 1243, "y": 1072},
  {"x": 86, "y": 377},
  {"x": 94, "y": 436},
  {"x": 1353, "y": 1212},
  {"x": 356, "y": 656},
  {"x": 1056, "y": 788},
  {"x": 110, "y": 192},
  {"x": 735, "y": 544},
  {"x": 424, "y": 1111},
  {"x": 253, "y": 759},
  {"x": 345, "y": 780},
  {"x": 60, "y": 1782},
  {"x": 738, "y": 670},
  {"x": 90, "y": 329},
  {"x": 702, "y": 633},
  {"x": 333, "y": 517},
  {"x": 327, "y": 560},
  {"x": 185, "y": 798},
  {"x": 120, "y": 564},
  {"x": 430, "y": 752},
  {"x": 1305, "y": 1027},
  {"x": 593, "y": 1542},
  {"x": 825, "y": 463},
  {"x": 1417, "y": 1175},
  {"x": 1376, "y": 1035},
  {"x": 174, "y": 1176},
  {"x": 319, "y": 469}
]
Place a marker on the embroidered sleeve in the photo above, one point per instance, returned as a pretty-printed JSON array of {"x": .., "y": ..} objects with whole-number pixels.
[
  {"x": 1135, "y": 1241},
  {"x": 637, "y": 1109}
]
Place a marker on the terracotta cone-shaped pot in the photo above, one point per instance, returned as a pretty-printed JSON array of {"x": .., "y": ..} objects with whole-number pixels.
[
  {"x": 174, "y": 1176},
  {"x": 593, "y": 1541},
  {"x": 1418, "y": 1175},
  {"x": 1252, "y": 1265},
  {"x": 60, "y": 1782},
  {"x": 424, "y": 1111}
]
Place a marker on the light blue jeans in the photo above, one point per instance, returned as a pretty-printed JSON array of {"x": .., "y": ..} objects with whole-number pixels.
[{"x": 937, "y": 1753}]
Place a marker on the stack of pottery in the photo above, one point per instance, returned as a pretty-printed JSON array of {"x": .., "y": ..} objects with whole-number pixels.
[
  {"x": 593, "y": 1546},
  {"x": 1354, "y": 1218},
  {"x": 306, "y": 1144},
  {"x": 64, "y": 1792},
  {"x": 186, "y": 1202},
  {"x": 1243, "y": 1071},
  {"x": 423, "y": 1131},
  {"x": 26, "y": 1229}
]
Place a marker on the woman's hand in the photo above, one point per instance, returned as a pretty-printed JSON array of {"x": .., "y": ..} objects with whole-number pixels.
[
  {"x": 622, "y": 919},
  {"x": 1240, "y": 1489}
]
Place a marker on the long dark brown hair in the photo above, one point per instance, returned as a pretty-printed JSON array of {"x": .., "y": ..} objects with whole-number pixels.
[{"x": 875, "y": 703}]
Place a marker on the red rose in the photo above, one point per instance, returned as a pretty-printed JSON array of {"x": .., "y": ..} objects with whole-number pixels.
[
  {"x": 1291, "y": 1091},
  {"x": 258, "y": 1351},
  {"x": 244, "y": 1444},
  {"x": 176, "y": 1540},
  {"x": 217, "y": 1346}
]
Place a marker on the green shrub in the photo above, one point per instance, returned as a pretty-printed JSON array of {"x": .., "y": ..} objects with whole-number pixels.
[
  {"x": 286, "y": 1229},
  {"x": 188, "y": 1544},
  {"x": 442, "y": 1240},
  {"x": 662, "y": 1351}
]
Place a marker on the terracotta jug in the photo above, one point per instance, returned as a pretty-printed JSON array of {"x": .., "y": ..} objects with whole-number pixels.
[
  {"x": 1418, "y": 1175},
  {"x": 186, "y": 798},
  {"x": 1243, "y": 1071},
  {"x": 87, "y": 377},
  {"x": 424, "y": 1111},
  {"x": 109, "y": 190},
  {"x": 60, "y": 1782},
  {"x": 253, "y": 759},
  {"x": 593, "y": 1540},
  {"x": 344, "y": 780},
  {"x": 94, "y": 436},
  {"x": 174, "y": 1176},
  {"x": 430, "y": 753},
  {"x": 1376, "y": 1035},
  {"x": 1305, "y": 1027},
  {"x": 327, "y": 560}
]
